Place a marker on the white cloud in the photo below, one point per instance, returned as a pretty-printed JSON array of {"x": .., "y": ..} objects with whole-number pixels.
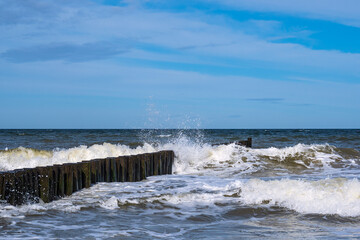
[
  {"x": 192, "y": 34},
  {"x": 344, "y": 11}
]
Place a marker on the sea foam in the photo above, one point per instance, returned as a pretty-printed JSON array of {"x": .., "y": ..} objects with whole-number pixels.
[
  {"x": 190, "y": 157},
  {"x": 328, "y": 196}
]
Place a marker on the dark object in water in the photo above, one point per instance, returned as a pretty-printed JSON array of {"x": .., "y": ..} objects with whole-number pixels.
[
  {"x": 53, "y": 182},
  {"x": 245, "y": 143}
]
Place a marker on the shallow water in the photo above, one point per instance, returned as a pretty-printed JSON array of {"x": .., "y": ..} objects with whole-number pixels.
[{"x": 291, "y": 184}]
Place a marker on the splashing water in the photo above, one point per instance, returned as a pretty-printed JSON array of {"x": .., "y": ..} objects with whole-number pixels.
[{"x": 213, "y": 187}]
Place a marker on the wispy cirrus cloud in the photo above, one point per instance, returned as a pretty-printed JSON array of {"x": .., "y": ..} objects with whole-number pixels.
[{"x": 66, "y": 52}]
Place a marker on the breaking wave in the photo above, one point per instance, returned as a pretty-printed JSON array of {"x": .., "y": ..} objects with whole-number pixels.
[
  {"x": 27, "y": 157},
  {"x": 194, "y": 157},
  {"x": 329, "y": 196}
]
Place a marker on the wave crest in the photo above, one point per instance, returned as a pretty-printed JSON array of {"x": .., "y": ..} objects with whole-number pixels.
[
  {"x": 195, "y": 157},
  {"x": 329, "y": 196}
]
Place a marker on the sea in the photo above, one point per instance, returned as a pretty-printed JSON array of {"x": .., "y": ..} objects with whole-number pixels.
[{"x": 292, "y": 184}]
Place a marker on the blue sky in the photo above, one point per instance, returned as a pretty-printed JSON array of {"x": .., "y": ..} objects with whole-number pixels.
[{"x": 180, "y": 64}]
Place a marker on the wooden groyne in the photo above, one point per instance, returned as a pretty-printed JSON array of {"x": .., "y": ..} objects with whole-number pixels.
[
  {"x": 54, "y": 182},
  {"x": 245, "y": 143}
]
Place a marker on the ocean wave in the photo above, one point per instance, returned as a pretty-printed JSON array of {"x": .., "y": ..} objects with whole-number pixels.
[
  {"x": 28, "y": 157},
  {"x": 338, "y": 196},
  {"x": 233, "y": 160},
  {"x": 182, "y": 196},
  {"x": 194, "y": 157},
  {"x": 313, "y": 155}
]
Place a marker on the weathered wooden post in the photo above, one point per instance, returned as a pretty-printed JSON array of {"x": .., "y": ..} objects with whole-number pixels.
[
  {"x": 113, "y": 170},
  {"x": 107, "y": 170},
  {"x": 145, "y": 158},
  {"x": 136, "y": 160},
  {"x": 27, "y": 186},
  {"x": 169, "y": 161},
  {"x": 85, "y": 174},
  {"x": 124, "y": 169},
  {"x": 143, "y": 169},
  {"x": 43, "y": 184},
  {"x": 54, "y": 182},
  {"x": 94, "y": 171},
  {"x": 61, "y": 180},
  {"x": 34, "y": 182},
  {"x": 164, "y": 160},
  {"x": 118, "y": 169},
  {"x": 151, "y": 162},
  {"x": 68, "y": 179},
  {"x": 160, "y": 165},
  {"x": 156, "y": 163},
  {"x": 9, "y": 178},
  {"x": 19, "y": 186},
  {"x": 76, "y": 177},
  {"x": 131, "y": 167},
  {"x": 103, "y": 170},
  {"x": 2, "y": 188}
]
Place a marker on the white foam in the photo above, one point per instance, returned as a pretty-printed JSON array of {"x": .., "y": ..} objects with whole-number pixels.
[
  {"x": 110, "y": 203},
  {"x": 194, "y": 157},
  {"x": 233, "y": 160},
  {"x": 307, "y": 155},
  {"x": 191, "y": 157},
  {"x": 28, "y": 158},
  {"x": 187, "y": 194},
  {"x": 329, "y": 196},
  {"x": 164, "y": 135}
]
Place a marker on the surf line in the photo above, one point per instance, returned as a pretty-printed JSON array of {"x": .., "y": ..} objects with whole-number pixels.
[{"x": 30, "y": 185}]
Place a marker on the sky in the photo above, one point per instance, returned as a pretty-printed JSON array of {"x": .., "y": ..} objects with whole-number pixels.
[{"x": 180, "y": 64}]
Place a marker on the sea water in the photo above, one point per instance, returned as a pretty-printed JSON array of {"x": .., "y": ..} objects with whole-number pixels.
[{"x": 291, "y": 184}]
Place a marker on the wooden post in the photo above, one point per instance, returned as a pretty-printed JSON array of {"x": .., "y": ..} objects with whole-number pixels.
[
  {"x": 118, "y": 169},
  {"x": 51, "y": 182},
  {"x": 94, "y": 171},
  {"x": 136, "y": 160},
  {"x": 107, "y": 170},
  {"x": 102, "y": 173},
  {"x": 130, "y": 167},
  {"x": 60, "y": 180},
  {"x": 143, "y": 169},
  {"x": 124, "y": 169},
  {"x": 68, "y": 179},
  {"x": 9, "y": 181},
  {"x": 34, "y": 176},
  {"x": 19, "y": 186},
  {"x": 54, "y": 182},
  {"x": 2, "y": 186},
  {"x": 113, "y": 170},
  {"x": 75, "y": 171},
  {"x": 156, "y": 161},
  {"x": 86, "y": 174},
  {"x": 43, "y": 184}
]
